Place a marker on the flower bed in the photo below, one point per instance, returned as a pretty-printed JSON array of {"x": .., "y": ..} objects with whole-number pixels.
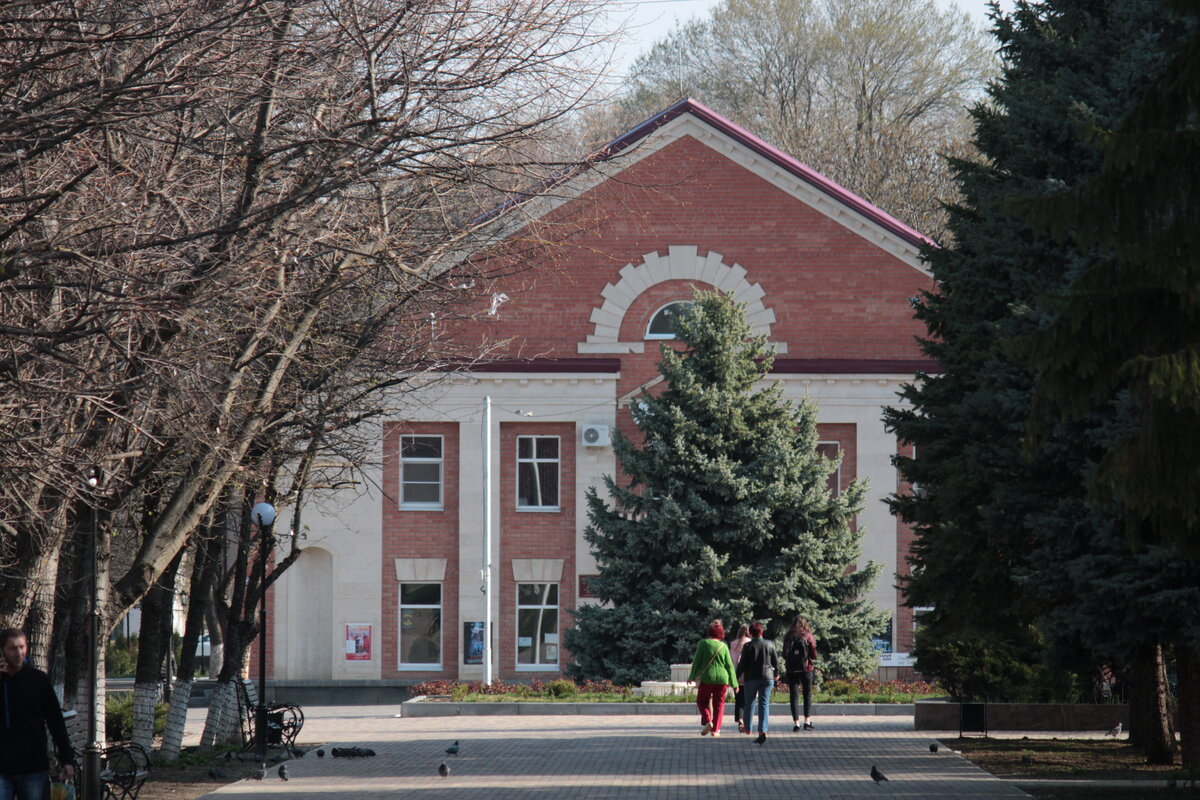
[{"x": 854, "y": 690}]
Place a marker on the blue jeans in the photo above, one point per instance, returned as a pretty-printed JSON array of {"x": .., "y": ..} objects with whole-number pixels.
[
  {"x": 28, "y": 786},
  {"x": 758, "y": 697}
]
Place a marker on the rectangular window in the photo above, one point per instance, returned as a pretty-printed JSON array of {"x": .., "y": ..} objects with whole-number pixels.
[
  {"x": 832, "y": 450},
  {"x": 537, "y": 472},
  {"x": 537, "y": 625},
  {"x": 918, "y": 614},
  {"x": 421, "y": 472},
  {"x": 420, "y": 625}
]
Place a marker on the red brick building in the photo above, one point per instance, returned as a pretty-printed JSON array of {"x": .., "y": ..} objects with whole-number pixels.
[{"x": 685, "y": 199}]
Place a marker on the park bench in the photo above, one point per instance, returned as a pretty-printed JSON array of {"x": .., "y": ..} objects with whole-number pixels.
[
  {"x": 284, "y": 720},
  {"x": 124, "y": 766}
]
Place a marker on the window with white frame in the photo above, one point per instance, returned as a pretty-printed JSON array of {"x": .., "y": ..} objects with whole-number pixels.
[
  {"x": 662, "y": 322},
  {"x": 918, "y": 621},
  {"x": 421, "y": 472},
  {"x": 537, "y": 473},
  {"x": 420, "y": 625},
  {"x": 537, "y": 625},
  {"x": 832, "y": 451}
]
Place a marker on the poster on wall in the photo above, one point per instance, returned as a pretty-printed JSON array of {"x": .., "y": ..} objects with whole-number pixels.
[
  {"x": 358, "y": 641},
  {"x": 472, "y": 642}
]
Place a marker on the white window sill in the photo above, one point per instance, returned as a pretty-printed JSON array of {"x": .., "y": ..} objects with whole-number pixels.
[
  {"x": 419, "y": 668},
  {"x": 540, "y": 509},
  {"x": 538, "y": 668},
  {"x": 412, "y": 507}
]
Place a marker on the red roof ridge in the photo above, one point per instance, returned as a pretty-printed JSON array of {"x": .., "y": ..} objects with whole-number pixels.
[{"x": 773, "y": 154}]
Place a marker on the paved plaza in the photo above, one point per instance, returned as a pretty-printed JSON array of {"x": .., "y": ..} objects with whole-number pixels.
[{"x": 614, "y": 758}]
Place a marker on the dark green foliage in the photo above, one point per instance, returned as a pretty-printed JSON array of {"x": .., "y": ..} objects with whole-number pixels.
[
  {"x": 1001, "y": 525},
  {"x": 1129, "y": 324},
  {"x": 727, "y": 514}
]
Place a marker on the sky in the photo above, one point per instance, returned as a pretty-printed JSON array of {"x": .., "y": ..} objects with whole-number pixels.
[{"x": 650, "y": 20}]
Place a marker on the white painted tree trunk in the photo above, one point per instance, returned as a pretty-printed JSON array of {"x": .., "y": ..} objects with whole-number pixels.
[
  {"x": 98, "y": 709},
  {"x": 216, "y": 659},
  {"x": 145, "y": 697},
  {"x": 172, "y": 741},
  {"x": 222, "y": 719}
]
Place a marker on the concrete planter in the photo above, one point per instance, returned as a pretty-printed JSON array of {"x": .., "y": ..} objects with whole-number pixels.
[{"x": 943, "y": 715}]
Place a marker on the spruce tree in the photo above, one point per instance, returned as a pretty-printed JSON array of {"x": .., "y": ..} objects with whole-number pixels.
[
  {"x": 727, "y": 513},
  {"x": 1126, "y": 331},
  {"x": 1001, "y": 526}
]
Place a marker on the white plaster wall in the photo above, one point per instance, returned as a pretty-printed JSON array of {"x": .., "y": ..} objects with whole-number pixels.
[{"x": 347, "y": 525}]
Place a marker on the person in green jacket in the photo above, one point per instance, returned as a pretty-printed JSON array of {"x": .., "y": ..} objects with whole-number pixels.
[{"x": 712, "y": 669}]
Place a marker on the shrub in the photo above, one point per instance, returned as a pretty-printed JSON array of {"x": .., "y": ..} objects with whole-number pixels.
[
  {"x": 562, "y": 688},
  {"x": 120, "y": 657},
  {"x": 838, "y": 687},
  {"x": 433, "y": 687},
  {"x": 118, "y": 718}
]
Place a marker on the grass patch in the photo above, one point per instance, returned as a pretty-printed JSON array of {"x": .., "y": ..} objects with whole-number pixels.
[
  {"x": 1060, "y": 759},
  {"x": 1110, "y": 793}
]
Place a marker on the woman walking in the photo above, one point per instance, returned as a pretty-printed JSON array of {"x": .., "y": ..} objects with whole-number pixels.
[
  {"x": 799, "y": 653},
  {"x": 712, "y": 669},
  {"x": 739, "y": 692},
  {"x": 759, "y": 666}
]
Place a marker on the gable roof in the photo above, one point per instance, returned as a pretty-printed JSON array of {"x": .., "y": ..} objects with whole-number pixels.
[{"x": 772, "y": 154}]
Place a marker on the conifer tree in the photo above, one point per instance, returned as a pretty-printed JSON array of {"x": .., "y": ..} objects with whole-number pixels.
[
  {"x": 727, "y": 514},
  {"x": 1127, "y": 330},
  {"x": 1013, "y": 555}
]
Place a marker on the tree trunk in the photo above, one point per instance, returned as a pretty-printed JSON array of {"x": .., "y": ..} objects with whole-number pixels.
[
  {"x": 221, "y": 724},
  {"x": 204, "y": 571},
  {"x": 1187, "y": 661},
  {"x": 40, "y": 623},
  {"x": 1150, "y": 726},
  {"x": 157, "y": 607}
]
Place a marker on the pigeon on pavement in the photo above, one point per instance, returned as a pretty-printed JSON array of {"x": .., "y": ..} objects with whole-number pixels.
[
  {"x": 320, "y": 754},
  {"x": 215, "y": 773},
  {"x": 1115, "y": 732},
  {"x": 876, "y": 775},
  {"x": 452, "y": 750},
  {"x": 283, "y": 771},
  {"x": 443, "y": 770},
  {"x": 933, "y": 747},
  {"x": 259, "y": 774}
]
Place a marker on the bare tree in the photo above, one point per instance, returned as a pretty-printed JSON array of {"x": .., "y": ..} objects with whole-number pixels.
[
  {"x": 868, "y": 92},
  {"x": 224, "y": 228}
]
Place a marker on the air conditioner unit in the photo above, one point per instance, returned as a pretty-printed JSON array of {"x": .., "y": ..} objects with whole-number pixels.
[{"x": 595, "y": 436}]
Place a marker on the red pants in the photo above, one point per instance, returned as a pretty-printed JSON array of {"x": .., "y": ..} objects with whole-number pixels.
[{"x": 710, "y": 699}]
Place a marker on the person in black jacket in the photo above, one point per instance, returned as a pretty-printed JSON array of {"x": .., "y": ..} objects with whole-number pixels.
[
  {"x": 758, "y": 666},
  {"x": 28, "y": 706}
]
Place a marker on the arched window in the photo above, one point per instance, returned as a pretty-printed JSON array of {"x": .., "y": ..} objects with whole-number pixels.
[{"x": 662, "y": 324}]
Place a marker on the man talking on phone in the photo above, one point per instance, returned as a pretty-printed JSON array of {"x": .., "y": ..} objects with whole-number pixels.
[{"x": 28, "y": 706}]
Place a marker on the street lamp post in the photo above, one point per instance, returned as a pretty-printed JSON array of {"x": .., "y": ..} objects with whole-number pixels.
[
  {"x": 92, "y": 752},
  {"x": 262, "y": 515}
]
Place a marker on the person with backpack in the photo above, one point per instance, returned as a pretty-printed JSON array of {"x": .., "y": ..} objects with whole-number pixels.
[{"x": 799, "y": 655}]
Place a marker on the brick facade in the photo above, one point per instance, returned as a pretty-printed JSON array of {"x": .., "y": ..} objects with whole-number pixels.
[{"x": 825, "y": 277}]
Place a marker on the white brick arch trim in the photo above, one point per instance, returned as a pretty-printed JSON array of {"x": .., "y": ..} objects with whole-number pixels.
[{"x": 680, "y": 263}]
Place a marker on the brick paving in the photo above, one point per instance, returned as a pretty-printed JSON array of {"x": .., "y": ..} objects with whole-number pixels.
[{"x": 613, "y": 758}]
